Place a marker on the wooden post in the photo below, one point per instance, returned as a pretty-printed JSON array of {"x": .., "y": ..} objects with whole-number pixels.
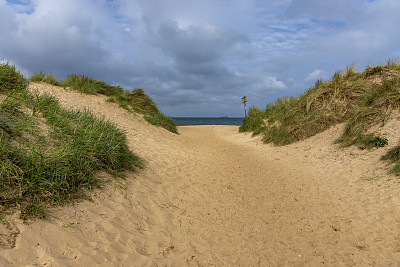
[{"x": 244, "y": 100}]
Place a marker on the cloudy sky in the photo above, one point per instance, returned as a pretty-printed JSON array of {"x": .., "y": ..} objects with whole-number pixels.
[{"x": 199, "y": 57}]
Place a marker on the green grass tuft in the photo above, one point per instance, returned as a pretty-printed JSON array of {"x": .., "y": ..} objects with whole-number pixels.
[
  {"x": 141, "y": 102},
  {"x": 393, "y": 155},
  {"x": 161, "y": 120},
  {"x": 254, "y": 122},
  {"x": 48, "y": 153},
  {"x": 11, "y": 79},
  {"x": 86, "y": 85},
  {"x": 135, "y": 101},
  {"x": 45, "y": 78},
  {"x": 370, "y": 141}
]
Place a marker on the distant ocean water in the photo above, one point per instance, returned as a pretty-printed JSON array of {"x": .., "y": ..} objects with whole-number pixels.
[{"x": 186, "y": 121}]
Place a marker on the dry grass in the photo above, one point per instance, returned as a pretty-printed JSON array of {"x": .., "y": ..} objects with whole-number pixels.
[
  {"x": 346, "y": 97},
  {"x": 360, "y": 99}
]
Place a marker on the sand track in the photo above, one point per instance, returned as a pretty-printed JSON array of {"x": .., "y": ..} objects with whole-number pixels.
[{"x": 213, "y": 197}]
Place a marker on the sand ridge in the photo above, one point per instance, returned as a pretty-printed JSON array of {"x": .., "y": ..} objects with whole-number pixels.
[{"x": 213, "y": 197}]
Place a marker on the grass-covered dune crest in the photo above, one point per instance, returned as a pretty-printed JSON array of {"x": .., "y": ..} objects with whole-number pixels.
[
  {"x": 361, "y": 100},
  {"x": 133, "y": 101},
  {"x": 48, "y": 153}
]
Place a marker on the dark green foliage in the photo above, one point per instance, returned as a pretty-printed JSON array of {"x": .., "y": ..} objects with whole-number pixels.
[
  {"x": 254, "y": 122},
  {"x": 88, "y": 85},
  {"x": 46, "y": 159},
  {"x": 121, "y": 100},
  {"x": 109, "y": 90},
  {"x": 161, "y": 120},
  {"x": 11, "y": 79},
  {"x": 142, "y": 102},
  {"x": 33, "y": 210},
  {"x": 81, "y": 83},
  {"x": 370, "y": 141},
  {"x": 393, "y": 155},
  {"x": 137, "y": 101}
]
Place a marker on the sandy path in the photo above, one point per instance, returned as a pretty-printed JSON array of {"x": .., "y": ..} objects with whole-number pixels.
[
  {"x": 213, "y": 197},
  {"x": 262, "y": 206}
]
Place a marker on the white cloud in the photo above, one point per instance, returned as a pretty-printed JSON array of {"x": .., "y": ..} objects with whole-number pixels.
[
  {"x": 316, "y": 75},
  {"x": 273, "y": 83},
  {"x": 268, "y": 84}
]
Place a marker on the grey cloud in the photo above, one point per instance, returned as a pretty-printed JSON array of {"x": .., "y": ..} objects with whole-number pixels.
[
  {"x": 197, "y": 44},
  {"x": 199, "y": 58},
  {"x": 7, "y": 20},
  {"x": 59, "y": 41},
  {"x": 325, "y": 10}
]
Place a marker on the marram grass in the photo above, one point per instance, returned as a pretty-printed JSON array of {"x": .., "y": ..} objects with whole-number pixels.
[
  {"x": 161, "y": 120},
  {"x": 11, "y": 78},
  {"x": 45, "y": 78},
  {"x": 135, "y": 101},
  {"x": 47, "y": 153},
  {"x": 358, "y": 99},
  {"x": 87, "y": 85}
]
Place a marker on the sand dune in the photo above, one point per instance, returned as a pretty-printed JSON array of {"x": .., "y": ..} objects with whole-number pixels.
[{"x": 213, "y": 197}]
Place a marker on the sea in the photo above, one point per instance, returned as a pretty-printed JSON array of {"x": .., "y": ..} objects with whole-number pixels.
[{"x": 187, "y": 121}]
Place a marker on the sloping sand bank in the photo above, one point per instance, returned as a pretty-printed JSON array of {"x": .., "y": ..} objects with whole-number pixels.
[{"x": 213, "y": 197}]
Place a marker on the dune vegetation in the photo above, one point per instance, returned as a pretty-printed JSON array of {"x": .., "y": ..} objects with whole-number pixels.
[
  {"x": 48, "y": 153},
  {"x": 361, "y": 100},
  {"x": 136, "y": 101}
]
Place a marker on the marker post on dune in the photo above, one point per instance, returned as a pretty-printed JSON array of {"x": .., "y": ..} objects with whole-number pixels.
[{"x": 244, "y": 100}]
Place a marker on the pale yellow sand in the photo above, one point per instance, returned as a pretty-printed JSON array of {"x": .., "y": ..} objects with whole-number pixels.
[{"x": 213, "y": 197}]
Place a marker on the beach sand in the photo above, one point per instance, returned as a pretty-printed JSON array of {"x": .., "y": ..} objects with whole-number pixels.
[{"x": 214, "y": 197}]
